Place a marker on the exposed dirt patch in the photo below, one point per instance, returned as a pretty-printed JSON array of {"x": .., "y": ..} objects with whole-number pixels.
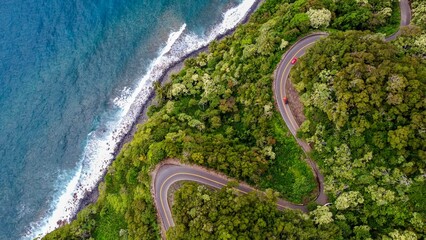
[{"x": 294, "y": 103}]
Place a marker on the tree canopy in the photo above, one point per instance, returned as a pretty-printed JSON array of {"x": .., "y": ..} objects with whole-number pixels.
[
  {"x": 365, "y": 101},
  {"x": 203, "y": 214},
  {"x": 219, "y": 112}
]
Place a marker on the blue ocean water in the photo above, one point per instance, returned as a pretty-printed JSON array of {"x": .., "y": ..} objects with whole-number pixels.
[{"x": 72, "y": 74}]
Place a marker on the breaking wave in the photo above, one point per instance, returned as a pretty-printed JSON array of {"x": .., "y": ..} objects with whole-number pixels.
[{"x": 102, "y": 142}]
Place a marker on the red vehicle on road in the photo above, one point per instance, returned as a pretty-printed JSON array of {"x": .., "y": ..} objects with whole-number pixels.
[
  {"x": 294, "y": 60},
  {"x": 285, "y": 100}
]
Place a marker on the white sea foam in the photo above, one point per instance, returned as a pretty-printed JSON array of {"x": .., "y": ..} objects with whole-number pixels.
[{"x": 98, "y": 152}]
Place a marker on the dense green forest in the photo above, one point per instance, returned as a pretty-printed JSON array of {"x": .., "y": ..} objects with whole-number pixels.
[
  {"x": 204, "y": 214},
  {"x": 219, "y": 112},
  {"x": 365, "y": 103},
  {"x": 365, "y": 106}
]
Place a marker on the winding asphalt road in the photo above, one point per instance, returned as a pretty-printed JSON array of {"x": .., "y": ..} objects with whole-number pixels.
[
  {"x": 168, "y": 174},
  {"x": 281, "y": 80},
  {"x": 171, "y": 173},
  {"x": 405, "y": 10}
]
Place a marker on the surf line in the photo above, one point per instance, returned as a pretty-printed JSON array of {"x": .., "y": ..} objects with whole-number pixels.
[{"x": 99, "y": 150}]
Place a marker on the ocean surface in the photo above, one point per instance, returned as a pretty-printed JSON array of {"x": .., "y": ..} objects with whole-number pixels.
[{"x": 73, "y": 76}]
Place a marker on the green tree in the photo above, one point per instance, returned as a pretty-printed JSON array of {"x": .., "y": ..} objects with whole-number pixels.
[{"x": 319, "y": 18}]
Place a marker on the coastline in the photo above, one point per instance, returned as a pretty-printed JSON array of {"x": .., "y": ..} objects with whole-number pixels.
[{"x": 92, "y": 195}]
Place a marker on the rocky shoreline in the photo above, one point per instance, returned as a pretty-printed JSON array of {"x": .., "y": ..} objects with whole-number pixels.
[{"x": 92, "y": 196}]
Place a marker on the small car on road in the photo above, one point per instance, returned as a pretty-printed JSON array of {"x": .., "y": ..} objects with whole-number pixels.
[
  {"x": 294, "y": 60},
  {"x": 285, "y": 100}
]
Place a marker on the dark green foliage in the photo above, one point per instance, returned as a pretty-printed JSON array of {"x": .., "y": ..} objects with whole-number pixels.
[
  {"x": 366, "y": 15},
  {"x": 203, "y": 214},
  {"x": 219, "y": 112},
  {"x": 289, "y": 174},
  {"x": 365, "y": 101},
  {"x": 221, "y": 119}
]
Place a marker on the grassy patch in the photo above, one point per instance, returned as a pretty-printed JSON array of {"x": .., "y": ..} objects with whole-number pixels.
[
  {"x": 289, "y": 174},
  {"x": 109, "y": 225}
]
